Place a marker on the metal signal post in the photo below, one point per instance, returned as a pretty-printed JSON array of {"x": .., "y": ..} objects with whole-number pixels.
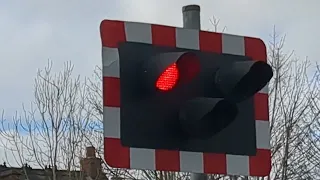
[{"x": 191, "y": 20}]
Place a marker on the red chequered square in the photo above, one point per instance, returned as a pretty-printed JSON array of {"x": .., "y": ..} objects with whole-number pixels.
[
  {"x": 260, "y": 164},
  {"x": 211, "y": 42},
  {"x": 111, "y": 91},
  {"x": 167, "y": 160},
  {"x": 261, "y": 105},
  {"x": 163, "y": 35},
  {"x": 115, "y": 154},
  {"x": 112, "y": 33},
  {"x": 214, "y": 163},
  {"x": 255, "y": 48}
]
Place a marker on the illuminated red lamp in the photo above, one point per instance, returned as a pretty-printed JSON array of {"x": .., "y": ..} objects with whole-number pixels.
[
  {"x": 184, "y": 69},
  {"x": 169, "y": 78}
]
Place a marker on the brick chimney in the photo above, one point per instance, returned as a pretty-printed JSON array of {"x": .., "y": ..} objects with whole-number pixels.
[
  {"x": 91, "y": 165},
  {"x": 91, "y": 152}
]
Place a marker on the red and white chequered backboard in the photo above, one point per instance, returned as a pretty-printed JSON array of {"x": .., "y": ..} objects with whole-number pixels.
[{"x": 116, "y": 155}]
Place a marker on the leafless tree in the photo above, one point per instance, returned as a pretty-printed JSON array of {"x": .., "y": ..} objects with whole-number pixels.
[
  {"x": 215, "y": 22},
  {"x": 294, "y": 116},
  {"x": 67, "y": 114},
  {"x": 50, "y": 134}
]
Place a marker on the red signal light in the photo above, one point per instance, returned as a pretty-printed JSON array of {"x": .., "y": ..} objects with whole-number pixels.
[
  {"x": 169, "y": 78},
  {"x": 185, "y": 68}
]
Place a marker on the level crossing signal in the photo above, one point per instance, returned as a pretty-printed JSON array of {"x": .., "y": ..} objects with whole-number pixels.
[{"x": 184, "y": 100}]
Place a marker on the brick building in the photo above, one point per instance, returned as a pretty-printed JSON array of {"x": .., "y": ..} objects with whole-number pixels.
[{"x": 90, "y": 170}]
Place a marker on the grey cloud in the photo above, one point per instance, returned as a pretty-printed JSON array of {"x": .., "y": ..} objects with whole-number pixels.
[{"x": 33, "y": 31}]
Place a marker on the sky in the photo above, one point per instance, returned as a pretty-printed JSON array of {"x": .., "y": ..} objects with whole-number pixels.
[{"x": 33, "y": 31}]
